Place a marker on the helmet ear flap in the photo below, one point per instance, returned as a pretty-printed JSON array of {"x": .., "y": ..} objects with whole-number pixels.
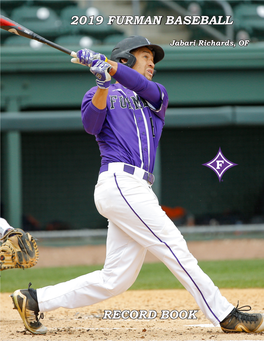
[{"x": 131, "y": 60}]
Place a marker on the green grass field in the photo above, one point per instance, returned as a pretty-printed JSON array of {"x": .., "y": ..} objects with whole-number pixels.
[{"x": 225, "y": 274}]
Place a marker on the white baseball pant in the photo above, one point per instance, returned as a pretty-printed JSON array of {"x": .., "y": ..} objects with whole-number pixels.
[
  {"x": 136, "y": 224},
  {"x": 4, "y": 226}
]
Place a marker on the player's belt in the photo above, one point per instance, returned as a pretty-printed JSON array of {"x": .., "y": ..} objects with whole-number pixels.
[{"x": 133, "y": 170}]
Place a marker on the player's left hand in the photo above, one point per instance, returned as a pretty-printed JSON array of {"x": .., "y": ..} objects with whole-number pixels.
[
  {"x": 86, "y": 56},
  {"x": 101, "y": 71},
  {"x": 18, "y": 250}
]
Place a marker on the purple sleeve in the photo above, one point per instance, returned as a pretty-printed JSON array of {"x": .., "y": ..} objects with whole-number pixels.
[
  {"x": 92, "y": 117},
  {"x": 134, "y": 81}
]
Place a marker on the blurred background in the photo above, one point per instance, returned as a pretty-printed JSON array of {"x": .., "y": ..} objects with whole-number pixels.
[{"x": 49, "y": 165}]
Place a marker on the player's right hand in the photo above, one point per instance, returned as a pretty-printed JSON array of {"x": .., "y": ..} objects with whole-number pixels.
[{"x": 86, "y": 56}]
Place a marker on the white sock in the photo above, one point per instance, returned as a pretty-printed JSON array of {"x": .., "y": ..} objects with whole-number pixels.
[{"x": 4, "y": 226}]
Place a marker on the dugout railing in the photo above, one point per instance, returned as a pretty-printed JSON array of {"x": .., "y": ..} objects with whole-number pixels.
[{"x": 196, "y": 233}]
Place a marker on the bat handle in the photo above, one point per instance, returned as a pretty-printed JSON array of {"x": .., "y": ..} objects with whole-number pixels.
[{"x": 75, "y": 58}]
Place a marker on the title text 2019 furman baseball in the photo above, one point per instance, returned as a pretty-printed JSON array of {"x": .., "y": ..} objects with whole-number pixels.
[{"x": 153, "y": 20}]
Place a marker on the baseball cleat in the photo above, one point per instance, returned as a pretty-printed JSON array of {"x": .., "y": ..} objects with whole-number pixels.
[
  {"x": 27, "y": 306},
  {"x": 237, "y": 321}
]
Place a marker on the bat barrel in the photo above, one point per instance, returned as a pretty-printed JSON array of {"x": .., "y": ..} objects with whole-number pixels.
[{"x": 13, "y": 27}]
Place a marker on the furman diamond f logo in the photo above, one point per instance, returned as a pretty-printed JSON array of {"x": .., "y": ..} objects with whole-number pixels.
[{"x": 219, "y": 164}]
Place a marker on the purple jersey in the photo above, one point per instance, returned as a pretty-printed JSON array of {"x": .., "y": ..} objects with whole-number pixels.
[{"x": 129, "y": 128}]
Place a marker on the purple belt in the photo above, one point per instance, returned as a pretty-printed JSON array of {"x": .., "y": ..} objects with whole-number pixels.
[{"x": 141, "y": 173}]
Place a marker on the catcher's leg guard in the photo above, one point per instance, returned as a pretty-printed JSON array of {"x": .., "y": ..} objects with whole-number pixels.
[
  {"x": 237, "y": 321},
  {"x": 27, "y": 306}
]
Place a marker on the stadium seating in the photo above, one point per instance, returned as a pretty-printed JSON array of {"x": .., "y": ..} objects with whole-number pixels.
[
  {"x": 247, "y": 15},
  {"x": 15, "y": 41},
  {"x": 56, "y": 5},
  {"x": 56, "y": 23},
  {"x": 8, "y": 5},
  {"x": 114, "y": 39},
  {"x": 249, "y": 18},
  {"x": 41, "y": 20},
  {"x": 77, "y": 42},
  {"x": 2, "y": 12}
]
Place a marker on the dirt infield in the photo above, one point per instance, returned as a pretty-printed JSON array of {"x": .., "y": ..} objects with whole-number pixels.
[{"x": 87, "y": 323}]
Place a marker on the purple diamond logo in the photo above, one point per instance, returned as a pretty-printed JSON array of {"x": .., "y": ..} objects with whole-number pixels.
[{"x": 219, "y": 164}]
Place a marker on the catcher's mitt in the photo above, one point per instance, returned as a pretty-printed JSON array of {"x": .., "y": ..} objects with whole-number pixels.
[{"x": 18, "y": 250}]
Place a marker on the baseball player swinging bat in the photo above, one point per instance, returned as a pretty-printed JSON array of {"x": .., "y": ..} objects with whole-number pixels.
[{"x": 13, "y": 27}]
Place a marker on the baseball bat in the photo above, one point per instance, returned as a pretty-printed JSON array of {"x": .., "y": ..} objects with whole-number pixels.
[{"x": 13, "y": 27}]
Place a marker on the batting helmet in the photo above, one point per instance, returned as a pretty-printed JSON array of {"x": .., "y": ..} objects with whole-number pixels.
[{"x": 124, "y": 47}]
